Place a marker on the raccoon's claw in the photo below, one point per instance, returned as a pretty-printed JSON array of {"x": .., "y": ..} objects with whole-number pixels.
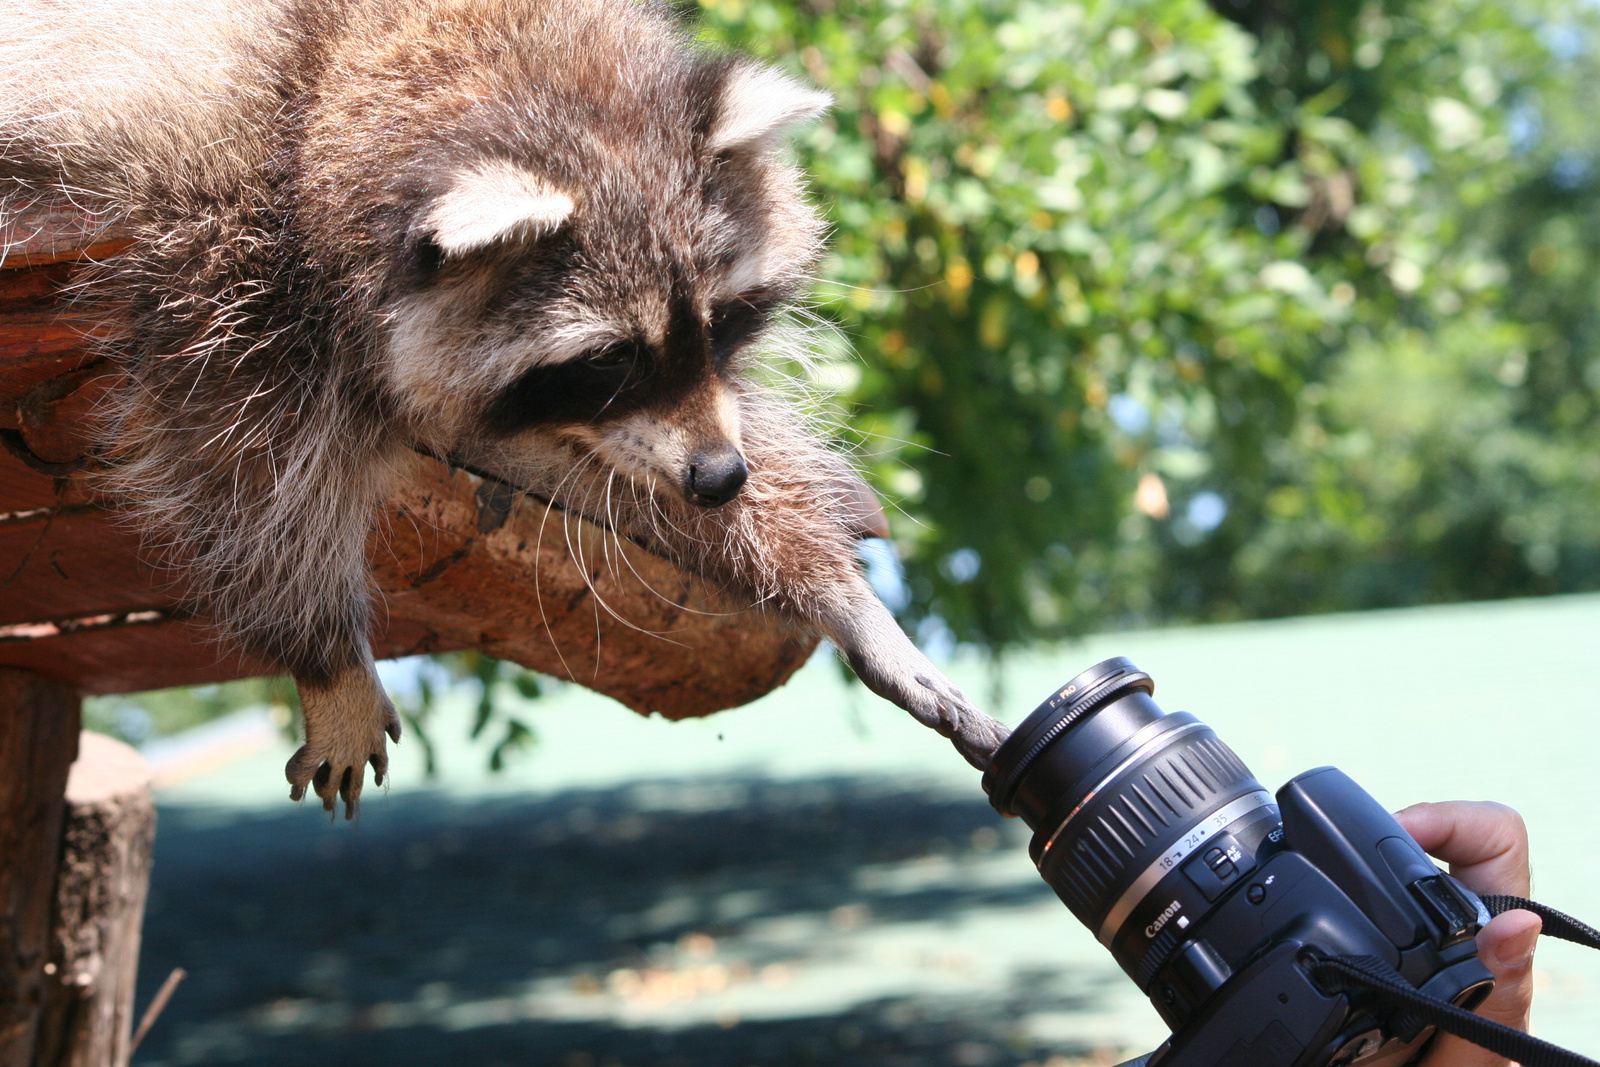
[{"x": 342, "y": 738}]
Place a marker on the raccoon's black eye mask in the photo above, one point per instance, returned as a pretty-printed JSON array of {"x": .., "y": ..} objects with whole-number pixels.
[
  {"x": 737, "y": 322},
  {"x": 623, "y": 378},
  {"x": 426, "y": 258},
  {"x": 607, "y": 383}
]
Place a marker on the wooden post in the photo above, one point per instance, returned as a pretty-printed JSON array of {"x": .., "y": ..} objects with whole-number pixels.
[
  {"x": 110, "y": 824},
  {"x": 38, "y": 743}
]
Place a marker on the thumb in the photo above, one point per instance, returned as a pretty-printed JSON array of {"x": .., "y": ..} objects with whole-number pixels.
[{"x": 1506, "y": 947}]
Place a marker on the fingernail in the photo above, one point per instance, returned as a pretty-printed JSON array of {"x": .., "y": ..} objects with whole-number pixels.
[{"x": 1516, "y": 953}]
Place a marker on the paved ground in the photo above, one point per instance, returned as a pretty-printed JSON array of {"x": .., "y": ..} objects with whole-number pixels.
[{"x": 813, "y": 879}]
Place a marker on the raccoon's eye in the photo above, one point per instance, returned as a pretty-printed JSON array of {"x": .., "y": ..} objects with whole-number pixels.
[
  {"x": 610, "y": 358},
  {"x": 738, "y": 321},
  {"x": 427, "y": 256}
]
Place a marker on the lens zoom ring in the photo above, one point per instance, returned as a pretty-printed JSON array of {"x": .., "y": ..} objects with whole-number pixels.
[{"x": 1138, "y": 816}]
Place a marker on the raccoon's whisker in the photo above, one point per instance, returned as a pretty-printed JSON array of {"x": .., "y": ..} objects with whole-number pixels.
[
  {"x": 538, "y": 596},
  {"x": 660, "y": 510},
  {"x": 605, "y": 535},
  {"x": 606, "y": 523},
  {"x": 873, "y": 435},
  {"x": 620, "y": 545},
  {"x": 899, "y": 509},
  {"x": 652, "y": 512},
  {"x": 558, "y": 494},
  {"x": 576, "y": 552},
  {"x": 594, "y": 513},
  {"x": 584, "y": 563},
  {"x": 623, "y": 552},
  {"x": 874, "y": 289},
  {"x": 611, "y": 523}
]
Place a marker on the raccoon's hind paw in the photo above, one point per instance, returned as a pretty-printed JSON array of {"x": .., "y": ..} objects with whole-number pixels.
[{"x": 345, "y": 728}]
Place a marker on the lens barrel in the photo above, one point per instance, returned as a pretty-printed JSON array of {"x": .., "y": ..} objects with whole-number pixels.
[{"x": 1126, "y": 802}]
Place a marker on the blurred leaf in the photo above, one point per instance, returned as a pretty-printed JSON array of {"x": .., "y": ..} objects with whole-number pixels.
[{"x": 518, "y": 737}]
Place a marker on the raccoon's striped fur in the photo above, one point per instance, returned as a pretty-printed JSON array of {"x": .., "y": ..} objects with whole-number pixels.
[{"x": 541, "y": 237}]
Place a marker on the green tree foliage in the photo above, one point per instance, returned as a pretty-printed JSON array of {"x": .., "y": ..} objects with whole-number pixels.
[
  {"x": 1169, "y": 312},
  {"x": 493, "y": 716}
]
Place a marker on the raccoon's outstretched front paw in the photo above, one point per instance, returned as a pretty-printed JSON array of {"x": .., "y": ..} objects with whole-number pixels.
[
  {"x": 936, "y": 702},
  {"x": 897, "y": 671},
  {"x": 345, "y": 728}
]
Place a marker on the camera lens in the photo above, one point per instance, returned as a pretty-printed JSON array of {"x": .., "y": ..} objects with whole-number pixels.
[{"x": 1141, "y": 818}]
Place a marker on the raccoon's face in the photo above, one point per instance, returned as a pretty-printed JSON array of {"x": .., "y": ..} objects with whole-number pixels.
[{"x": 598, "y": 288}]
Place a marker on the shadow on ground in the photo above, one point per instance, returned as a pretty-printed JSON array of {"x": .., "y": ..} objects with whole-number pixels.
[{"x": 694, "y": 923}]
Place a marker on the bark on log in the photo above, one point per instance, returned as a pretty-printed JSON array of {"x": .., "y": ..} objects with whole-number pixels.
[
  {"x": 38, "y": 743},
  {"x": 86, "y": 1019}
]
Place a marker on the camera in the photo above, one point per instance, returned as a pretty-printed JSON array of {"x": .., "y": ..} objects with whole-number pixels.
[{"x": 1217, "y": 897}]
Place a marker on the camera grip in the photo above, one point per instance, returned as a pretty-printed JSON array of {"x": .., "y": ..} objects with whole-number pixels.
[{"x": 1349, "y": 836}]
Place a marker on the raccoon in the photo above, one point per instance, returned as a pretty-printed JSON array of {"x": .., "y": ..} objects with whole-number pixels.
[{"x": 545, "y": 239}]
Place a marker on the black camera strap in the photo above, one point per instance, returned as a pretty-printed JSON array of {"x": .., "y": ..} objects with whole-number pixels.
[
  {"x": 1376, "y": 976},
  {"x": 1556, "y": 924},
  {"x": 1340, "y": 973}
]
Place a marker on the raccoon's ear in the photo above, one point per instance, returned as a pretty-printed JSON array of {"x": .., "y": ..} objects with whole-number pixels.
[
  {"x": 758, "y": 105},
  {"x": 492, "y": 202}
]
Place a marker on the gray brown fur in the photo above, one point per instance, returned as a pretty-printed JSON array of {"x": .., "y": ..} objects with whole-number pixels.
[{"x": 542, "y": 237}]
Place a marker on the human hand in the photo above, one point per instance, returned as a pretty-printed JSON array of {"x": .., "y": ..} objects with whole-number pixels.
[{"x": 1486, "y": 846}]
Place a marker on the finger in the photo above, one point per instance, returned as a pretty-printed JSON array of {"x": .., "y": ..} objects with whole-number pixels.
[
  {"x": 983, "y": 733},
  {"x": 1485, "y": 844},
  {"x": 949, "y": 706},
  {"x": 380, "y": 766},
  {"x": 301, "y": 766},
  {"x": 350, "y": 789},
  {"x": 391, "y": 722},
  {"x": 1506, "y": 947},
  {"x": 978, "y": 740},
  {"x": 325, "y": 787}
]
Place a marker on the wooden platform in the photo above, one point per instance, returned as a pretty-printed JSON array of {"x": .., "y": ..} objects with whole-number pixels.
[{"x": 458, "y": 562}]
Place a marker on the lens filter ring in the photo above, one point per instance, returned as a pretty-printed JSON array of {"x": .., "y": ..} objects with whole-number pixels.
[{"x": 1054, "y": 717}]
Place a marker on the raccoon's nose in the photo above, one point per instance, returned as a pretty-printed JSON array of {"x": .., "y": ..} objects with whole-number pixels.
[{"x": 716, "y": 478}]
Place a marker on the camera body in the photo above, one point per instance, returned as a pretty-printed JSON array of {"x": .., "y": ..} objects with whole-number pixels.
[{"x": 1212, "y": 894}]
